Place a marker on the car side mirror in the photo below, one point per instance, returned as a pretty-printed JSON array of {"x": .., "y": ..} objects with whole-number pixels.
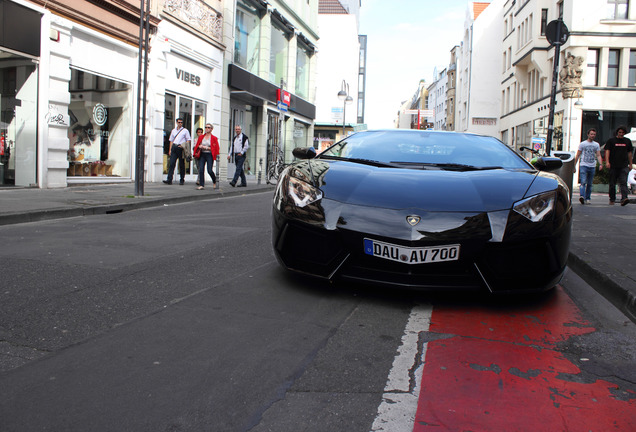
[
  {"x": 546, "y": 163},
  {"x": 304, "y": 152}
]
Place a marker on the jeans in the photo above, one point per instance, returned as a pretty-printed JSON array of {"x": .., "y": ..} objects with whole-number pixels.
[
  {"x": 620, "y": 175},
  {"x": 176, "y": 153},
  {"x": 206, "y": 158},
  {"x": 239, "y": 161},
  {"x": 586, "y": 176}
]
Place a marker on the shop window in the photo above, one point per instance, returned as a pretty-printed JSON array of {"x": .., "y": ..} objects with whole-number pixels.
[
  {"x": 247, "y": 36},
  {"x": 278, "y": 56},
  {"x": 300, "y": 134},
  {"x": 302, "y": 70},
  {"x": 100, "y": 131}
]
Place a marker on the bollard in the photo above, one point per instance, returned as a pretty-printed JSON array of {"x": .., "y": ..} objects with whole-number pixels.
[{"x": 218, "y": 174}]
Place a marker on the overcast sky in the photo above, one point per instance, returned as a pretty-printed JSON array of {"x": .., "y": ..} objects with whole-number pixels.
[{"x": 407, "y": 39}]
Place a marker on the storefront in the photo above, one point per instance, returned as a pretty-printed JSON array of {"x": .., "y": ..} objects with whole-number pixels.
[
  {"x": 100, "y": 131},
  {"x": 19, "y": 75},
  {"x": 190, "y": 69},
  {"x": 187, "y": 89},
  {"x": 100, "y": 117},
  {"x": 274, "y": 130}
]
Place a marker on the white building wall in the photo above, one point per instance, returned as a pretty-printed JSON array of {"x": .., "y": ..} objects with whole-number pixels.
[
  {"x": 173, "y": 47},
  {"x": 338, "y": 60},
  {"x": 481, "y": 112},
  {"x": 524, "y": 109}
]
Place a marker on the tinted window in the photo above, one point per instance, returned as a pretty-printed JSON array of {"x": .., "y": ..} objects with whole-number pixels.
[{"x": 427, "y": 148}]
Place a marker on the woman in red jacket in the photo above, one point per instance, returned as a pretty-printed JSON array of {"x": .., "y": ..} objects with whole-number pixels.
[{"x": 208, "y": 148}]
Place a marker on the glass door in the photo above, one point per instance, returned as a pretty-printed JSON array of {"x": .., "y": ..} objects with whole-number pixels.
[
  {"x": 18, "y": 121},
  {"x": 193, "y": 114}
]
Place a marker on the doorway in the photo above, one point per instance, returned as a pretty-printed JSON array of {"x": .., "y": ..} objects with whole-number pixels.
[{"x": 18, "y": 120}]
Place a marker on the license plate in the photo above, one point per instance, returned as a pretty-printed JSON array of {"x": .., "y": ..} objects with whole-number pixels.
[{"x": 409, "y": 255}]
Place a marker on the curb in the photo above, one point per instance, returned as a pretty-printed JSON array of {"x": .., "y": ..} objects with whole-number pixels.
[
  {"x": 144, "y": 202},
  {"x": 616, "y": 294}
]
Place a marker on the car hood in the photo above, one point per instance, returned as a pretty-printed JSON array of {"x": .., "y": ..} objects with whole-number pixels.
[{"x": 432, "y": 190}]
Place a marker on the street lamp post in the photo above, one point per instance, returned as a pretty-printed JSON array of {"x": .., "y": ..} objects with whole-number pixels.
[{"x": 343, "y": 95}]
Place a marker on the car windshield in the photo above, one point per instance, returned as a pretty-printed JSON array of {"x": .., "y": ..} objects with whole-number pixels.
[{"x": 424, "y": 149}]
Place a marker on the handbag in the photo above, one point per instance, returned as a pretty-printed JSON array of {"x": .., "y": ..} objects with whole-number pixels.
[
  {"x": 197, "y": 151},
  {"x": 186, "y": 151}
]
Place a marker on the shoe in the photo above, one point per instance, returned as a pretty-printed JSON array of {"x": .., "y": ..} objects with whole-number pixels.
[
  {"x": 588, "y": 202},
  {"x": 582, "y": 200},
  {"x": 200, "y": 188},
  {"x": 167, "y": 182},
  {"x": 215, "y": 186},
  {"x": 197, "y": 182},
  {"x": 242, "y": 185},
  {"x": 232, "y": 184},
  {"x": 624, "y": 202},
  {"x": 181, "y": 183},
  {"x": 611, "y": 203}
]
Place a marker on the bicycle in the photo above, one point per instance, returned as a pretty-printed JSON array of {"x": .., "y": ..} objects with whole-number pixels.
[{"x": 275, "y": 166}]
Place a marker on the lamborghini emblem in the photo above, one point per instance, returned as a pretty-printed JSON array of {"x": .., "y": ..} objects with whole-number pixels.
[{"x": 413, "y": 220}]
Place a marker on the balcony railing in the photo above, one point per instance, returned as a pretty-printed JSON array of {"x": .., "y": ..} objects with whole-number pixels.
[{"x": 198, "y": 14}]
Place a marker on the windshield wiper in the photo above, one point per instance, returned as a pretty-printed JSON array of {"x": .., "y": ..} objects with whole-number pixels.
[
  {"x": 362, "y": 161},
  {"x": 451, "y": 166}
]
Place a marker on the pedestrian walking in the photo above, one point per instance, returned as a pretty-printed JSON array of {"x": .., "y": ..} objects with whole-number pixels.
[
  {"x": 618, "y": 160},
  {"x": 179, "y": 139},
  {"x": 206, "y": 149},
  {"x": 588, "y": 153},
  {"x": 631, "y": 179},
  {"x": 238, "y": 149},
  {"x": 199, "y": 132}
]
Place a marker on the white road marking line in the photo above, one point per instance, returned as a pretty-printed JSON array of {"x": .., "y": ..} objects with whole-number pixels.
[{"x": 397, "y": 411}]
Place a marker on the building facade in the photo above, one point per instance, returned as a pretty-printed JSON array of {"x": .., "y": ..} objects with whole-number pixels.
[
  {"x": 270, "y": 79},
  {"x": 341, "y": 72},
  {"x": 438, "y": 100},
  {"x": 596, "y": 71},
  {"x": 67, "y": 107},
  {"x": 477, "y": 90},
  {"x": 70, "y": 92}
]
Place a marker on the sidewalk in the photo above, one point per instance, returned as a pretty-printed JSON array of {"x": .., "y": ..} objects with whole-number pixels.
[
  {"x": 602, "y": 252},
  {"x": 603, "y": 249},
  {"x": 19, "y": 205}
]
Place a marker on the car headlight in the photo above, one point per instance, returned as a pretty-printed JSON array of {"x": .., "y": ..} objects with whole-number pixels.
[
  {"x": 537, "y": 207},
  {"x": 302, "y": 193}
]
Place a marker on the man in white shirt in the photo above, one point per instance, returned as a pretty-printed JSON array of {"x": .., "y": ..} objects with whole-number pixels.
[
  {"x": 239, "y": 149},
  {"x": 589, "y": 152},
  {"x": 179, "y": 139}
]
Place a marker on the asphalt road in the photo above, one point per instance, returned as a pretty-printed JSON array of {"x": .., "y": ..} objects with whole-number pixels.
[{"x": 178, "y": 318}]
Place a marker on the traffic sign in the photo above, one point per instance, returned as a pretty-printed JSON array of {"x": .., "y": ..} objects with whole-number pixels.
[{"x": 557, "y": 30}]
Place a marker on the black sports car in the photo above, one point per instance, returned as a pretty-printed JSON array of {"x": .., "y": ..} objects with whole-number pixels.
[{"x": 424, "y": 209}]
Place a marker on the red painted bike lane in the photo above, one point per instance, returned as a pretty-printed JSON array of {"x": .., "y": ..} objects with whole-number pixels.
[{"x": 496, "y": 370}]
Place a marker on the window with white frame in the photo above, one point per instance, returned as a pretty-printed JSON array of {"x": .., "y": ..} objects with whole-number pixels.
[
  {"x": 613, "y": 65},
  {"x": 278, "y": 55},
  {"x": 544, "y": 21},
  {"x": 617, "y": 9},
  {"x": 303, "y": 54},
  {"x": 247, "y": 36},
  {"x": 591, "y": 71},
  {"x": 632, "y": 69}
]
